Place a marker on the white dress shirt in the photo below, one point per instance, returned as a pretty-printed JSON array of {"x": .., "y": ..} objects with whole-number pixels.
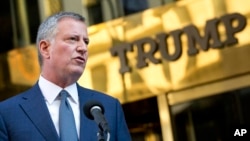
[{"x": 50, "y": 92}]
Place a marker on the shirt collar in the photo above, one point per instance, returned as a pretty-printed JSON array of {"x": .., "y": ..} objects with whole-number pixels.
[{"x": 51, "y": 91}]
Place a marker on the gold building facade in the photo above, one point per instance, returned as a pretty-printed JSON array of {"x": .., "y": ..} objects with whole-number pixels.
[{"x": 181, "y": 70}]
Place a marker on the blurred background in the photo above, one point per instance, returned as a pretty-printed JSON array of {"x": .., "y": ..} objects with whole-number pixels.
[{"x": 198, "y": 96}]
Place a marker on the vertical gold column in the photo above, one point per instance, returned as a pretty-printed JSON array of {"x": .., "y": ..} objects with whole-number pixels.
[
  {"x": 48, "y": 7},
  {"x": 23, "y": 23},
  {"x": 165, "y": 118},
  {"x": 76, "y": 6}
]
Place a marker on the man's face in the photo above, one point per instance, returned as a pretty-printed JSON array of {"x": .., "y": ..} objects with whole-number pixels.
[{"x": 68, "y": 50}]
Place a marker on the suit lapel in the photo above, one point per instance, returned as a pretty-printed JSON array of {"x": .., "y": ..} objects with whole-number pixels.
[
  {"x": 35, "y": 108},
  {"x": 85, "y": 130}
]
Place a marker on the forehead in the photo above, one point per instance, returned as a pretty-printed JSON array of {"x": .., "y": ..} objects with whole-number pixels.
[{"x": 71, "y": 25}]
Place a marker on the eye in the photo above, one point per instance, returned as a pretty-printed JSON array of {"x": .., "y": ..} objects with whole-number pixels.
[
  {"x": 86, "y": 41},
  {"x": 73, "y": 38}
]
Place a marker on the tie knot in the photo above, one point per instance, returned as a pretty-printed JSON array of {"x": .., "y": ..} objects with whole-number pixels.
[{"x": 64, "y": 94}]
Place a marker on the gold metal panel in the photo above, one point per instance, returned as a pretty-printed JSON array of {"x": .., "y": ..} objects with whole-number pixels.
[
  {"x": 168, "y": 76},
  {"x": 23, "y": 66},
  {"x": 187, "y": 72}
]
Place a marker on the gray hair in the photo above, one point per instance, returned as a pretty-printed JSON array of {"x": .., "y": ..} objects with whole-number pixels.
[{"x": 47, "y": 29}]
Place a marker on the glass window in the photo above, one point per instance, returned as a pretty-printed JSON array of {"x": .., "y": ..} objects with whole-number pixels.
[
  {"x": 134, "y": 6},
  {"x": 213, "y": 118},
  {"x": 143, "y": 119}
]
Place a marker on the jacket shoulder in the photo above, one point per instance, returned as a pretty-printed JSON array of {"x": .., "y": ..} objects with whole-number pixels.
[
  {"x": 15, "y": 100},
  {"x": 95, "y": 94}
]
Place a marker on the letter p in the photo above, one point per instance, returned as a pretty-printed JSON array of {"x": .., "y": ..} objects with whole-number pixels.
[{"x": 243, "y": 131}]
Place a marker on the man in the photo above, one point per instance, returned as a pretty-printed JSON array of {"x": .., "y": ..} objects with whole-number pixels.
[{"x": 34, "y": 115}]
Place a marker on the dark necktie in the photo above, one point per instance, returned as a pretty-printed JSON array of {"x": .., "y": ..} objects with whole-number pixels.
[{"x": 67, "y": 125}]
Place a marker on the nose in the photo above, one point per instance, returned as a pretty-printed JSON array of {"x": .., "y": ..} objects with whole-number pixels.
[{"x": 82, "y": 47}]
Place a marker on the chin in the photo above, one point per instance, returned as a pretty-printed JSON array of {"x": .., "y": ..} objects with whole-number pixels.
[{"x": 78, "y": 73}]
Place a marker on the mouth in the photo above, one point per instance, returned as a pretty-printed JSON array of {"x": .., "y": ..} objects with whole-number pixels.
[{"x": 80, "y": 59}]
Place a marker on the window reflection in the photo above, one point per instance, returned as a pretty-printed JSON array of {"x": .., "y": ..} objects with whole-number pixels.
[
  {"x": 212, "y": 118},
  {"x": 134, "y": 6}
]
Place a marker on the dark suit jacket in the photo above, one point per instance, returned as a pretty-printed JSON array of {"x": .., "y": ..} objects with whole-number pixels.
[{"x": 25, "y": 117}]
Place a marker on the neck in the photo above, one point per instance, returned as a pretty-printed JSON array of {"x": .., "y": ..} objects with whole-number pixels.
[{"x": 59, "y": 81}]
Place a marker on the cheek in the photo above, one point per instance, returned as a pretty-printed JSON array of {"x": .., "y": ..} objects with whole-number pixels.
[
  {"x": 60, "y": 54},
  {"x": 63, "y": 50},
  {"x": 86, "y": 55}
]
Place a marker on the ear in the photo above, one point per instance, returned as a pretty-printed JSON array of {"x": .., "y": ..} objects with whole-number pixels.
[{"x": 44, "y": 47}]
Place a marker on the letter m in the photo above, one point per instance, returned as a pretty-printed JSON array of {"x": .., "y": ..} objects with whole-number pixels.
[{"x": 210, "y": 37}]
